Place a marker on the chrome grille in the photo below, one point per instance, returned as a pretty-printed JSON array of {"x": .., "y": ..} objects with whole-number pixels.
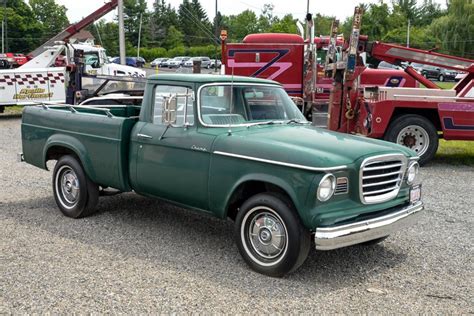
[{"x": 381, "y": 178}]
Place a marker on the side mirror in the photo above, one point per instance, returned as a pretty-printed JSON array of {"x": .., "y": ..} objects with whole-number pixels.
[{"x": 169, "y": 110}]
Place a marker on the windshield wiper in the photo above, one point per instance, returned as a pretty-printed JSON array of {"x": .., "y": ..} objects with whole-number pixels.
[
  {"x": 297, "y": 121},
  {"x": 263, "y": 123}
]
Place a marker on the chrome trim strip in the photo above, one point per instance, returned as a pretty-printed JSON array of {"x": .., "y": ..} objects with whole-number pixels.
[
  {"x": 280, "y": 163},
  {"x": 328, "y": 238}
]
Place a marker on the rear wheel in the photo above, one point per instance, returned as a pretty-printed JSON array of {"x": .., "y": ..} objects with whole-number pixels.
[
  {"x": 75, "y": 194},
  {"x": 270, "y": 236},
  {"x": 415, "y": 132}
]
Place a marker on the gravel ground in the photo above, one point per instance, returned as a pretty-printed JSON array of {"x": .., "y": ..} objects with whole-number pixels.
[{"x": 139, "y": 255}]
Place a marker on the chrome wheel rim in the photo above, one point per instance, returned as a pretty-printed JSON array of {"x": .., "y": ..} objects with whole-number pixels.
[
  {"x": 264, "y": 236},
  {"x": 67, "y": 186},
  {"x": 414, "y": 137}
]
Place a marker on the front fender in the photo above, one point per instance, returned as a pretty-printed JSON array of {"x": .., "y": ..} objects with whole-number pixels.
[{"x": 296, "y": 186}]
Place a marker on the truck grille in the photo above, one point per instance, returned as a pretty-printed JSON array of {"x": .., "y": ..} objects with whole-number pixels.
[{"x": 381, "y": 178}]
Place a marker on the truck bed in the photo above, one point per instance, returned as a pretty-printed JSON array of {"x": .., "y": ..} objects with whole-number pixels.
[{"x": 100, "y": 138}]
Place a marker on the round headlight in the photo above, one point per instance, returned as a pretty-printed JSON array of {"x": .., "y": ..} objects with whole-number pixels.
[
  {"x": 326, "y": 187},
  {"x": 412, "y": 172}
]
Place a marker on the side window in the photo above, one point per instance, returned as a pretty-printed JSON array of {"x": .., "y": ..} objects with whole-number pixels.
[{"x": 185, "y": 109}]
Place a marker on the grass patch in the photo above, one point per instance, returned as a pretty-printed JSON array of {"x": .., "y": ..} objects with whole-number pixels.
[
  {"x": 455, "y": 152},
  {"x": 446, "y": 85},
  {"x": 12, "y": 110}
]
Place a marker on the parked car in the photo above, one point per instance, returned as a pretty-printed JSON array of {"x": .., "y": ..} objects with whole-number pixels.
[
  {"x": 447, "y": 74},
  {"x": 129, "y": 61},
  {"x": 213, "y": 63},
  {"x": 158, "y": 62},
  {"x": 460, "y": 76},
  {"x": 140, "y": 61},
  {"x": 178, "y": 61},
  {"x": 429, "y": 72},
  {"x": 205, "y": 62},
  {"x": 251, "y": 158},
  {"x": 385, "y": 65}
]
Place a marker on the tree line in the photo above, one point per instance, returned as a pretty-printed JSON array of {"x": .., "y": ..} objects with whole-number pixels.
[{"x": 188, "y": 30}]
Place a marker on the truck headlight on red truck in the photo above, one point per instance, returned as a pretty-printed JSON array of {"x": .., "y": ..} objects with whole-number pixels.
[{"x": 326, "y": 187}]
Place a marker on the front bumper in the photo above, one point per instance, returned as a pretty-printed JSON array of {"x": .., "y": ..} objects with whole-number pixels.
[{"x": 333, "y": 237}]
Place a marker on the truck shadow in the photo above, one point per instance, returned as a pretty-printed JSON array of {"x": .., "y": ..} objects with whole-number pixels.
[{"x": 166, "y": 235}]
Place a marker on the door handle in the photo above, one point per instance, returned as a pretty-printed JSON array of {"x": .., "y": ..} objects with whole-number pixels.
[{"x": 144, "y": 136}]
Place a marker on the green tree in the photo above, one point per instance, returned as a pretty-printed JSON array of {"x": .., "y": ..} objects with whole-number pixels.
[
  {"x": 23, "y": 31},
  {"x": 241, "y": 25},
  {"x": 287, "y": 24},
  {"x": 174, "y": 38},
  {"x": 134, "y": 10},
  {"x": 162, "y": 18},
  {"x": 51, "y": 15},
  {"x": 195, "y": 24},
  {"x": 455, "y": 31},
  {"x": 108, "y": 33}
]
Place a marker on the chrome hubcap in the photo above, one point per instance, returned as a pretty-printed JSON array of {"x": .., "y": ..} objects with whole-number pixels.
[
  {"x": 267, "y": 235},
  {"x": 414, "y": 137},
  {"x": 68, "y": 186}
]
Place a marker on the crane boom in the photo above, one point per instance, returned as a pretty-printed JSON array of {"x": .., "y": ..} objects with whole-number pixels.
[
  {"x": 77, "y": 27},
  {"x": 395, "y": 54}
]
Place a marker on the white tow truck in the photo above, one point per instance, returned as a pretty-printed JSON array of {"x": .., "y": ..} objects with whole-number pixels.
[{"x": 44, "y": 78}]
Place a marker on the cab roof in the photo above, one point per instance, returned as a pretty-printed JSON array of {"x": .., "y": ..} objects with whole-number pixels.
[{"x": 204, "y": 78}]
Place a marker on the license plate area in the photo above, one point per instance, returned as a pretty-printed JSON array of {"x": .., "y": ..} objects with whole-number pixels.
[{"x": 415, "y": 194}]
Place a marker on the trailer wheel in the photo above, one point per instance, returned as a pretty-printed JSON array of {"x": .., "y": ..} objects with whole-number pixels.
[
  {"x": 270, "y": 236},
  {"x": 75, "y": 194},
  {"x": 415, "y": 132}
]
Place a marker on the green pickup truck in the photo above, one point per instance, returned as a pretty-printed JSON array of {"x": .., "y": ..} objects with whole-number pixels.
[{"x": 232, "y": 147}]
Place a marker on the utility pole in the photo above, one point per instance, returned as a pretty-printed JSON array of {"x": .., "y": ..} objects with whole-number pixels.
[
  {"x": 408, "y": 34},
  {"x": 139, "y": 35},
  {"x": 217, "y": 36},
  {"x": 121, "y": 32},
  {"x": 4, "y": 25}
]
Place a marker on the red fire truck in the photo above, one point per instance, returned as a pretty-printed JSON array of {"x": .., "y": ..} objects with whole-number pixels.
[
  {"x": 412, "y": 117},
  {"x": 292, "y": 61}
]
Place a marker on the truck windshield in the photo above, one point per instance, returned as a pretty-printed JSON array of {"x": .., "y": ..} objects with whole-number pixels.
[{"x": 236, "y": 105}]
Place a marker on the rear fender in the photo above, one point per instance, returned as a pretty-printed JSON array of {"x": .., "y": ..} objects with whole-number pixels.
[{"x": 73, "y": 144}]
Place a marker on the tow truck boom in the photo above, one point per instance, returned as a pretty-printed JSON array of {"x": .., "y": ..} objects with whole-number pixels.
[{"x": 77, "y": 27}]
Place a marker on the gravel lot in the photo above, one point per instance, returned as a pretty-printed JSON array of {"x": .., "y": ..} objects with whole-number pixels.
[{"x": 139, "y": 255}]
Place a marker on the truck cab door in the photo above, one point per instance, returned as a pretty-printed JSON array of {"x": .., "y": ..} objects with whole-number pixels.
[{"x": 172, "y": 161}]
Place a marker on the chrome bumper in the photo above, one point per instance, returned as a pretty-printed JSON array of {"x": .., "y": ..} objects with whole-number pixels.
[{"x": 327, "y": 238}]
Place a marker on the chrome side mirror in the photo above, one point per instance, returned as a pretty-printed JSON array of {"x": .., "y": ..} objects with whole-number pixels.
[{"x": 169, "y": 110}]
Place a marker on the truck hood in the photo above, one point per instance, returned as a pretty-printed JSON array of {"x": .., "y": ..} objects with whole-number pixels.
[{"x": 303, "y": 145}]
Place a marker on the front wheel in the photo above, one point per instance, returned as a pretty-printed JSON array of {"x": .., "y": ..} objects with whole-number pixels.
[
  {"x": 415, "y": 132},
  {"x": 270, "y": 236},
  {"x": 441, "y": 78},
  {"x": 75, "y": 194}
]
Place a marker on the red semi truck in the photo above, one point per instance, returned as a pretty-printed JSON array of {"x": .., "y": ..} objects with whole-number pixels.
[{"x": 289, "y": 59}]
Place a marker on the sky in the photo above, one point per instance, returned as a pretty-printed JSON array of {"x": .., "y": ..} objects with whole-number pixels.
[{"x": 339, "y": 8}]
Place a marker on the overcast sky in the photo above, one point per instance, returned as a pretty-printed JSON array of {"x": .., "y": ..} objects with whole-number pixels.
[{"x": 339, "y": 8}]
